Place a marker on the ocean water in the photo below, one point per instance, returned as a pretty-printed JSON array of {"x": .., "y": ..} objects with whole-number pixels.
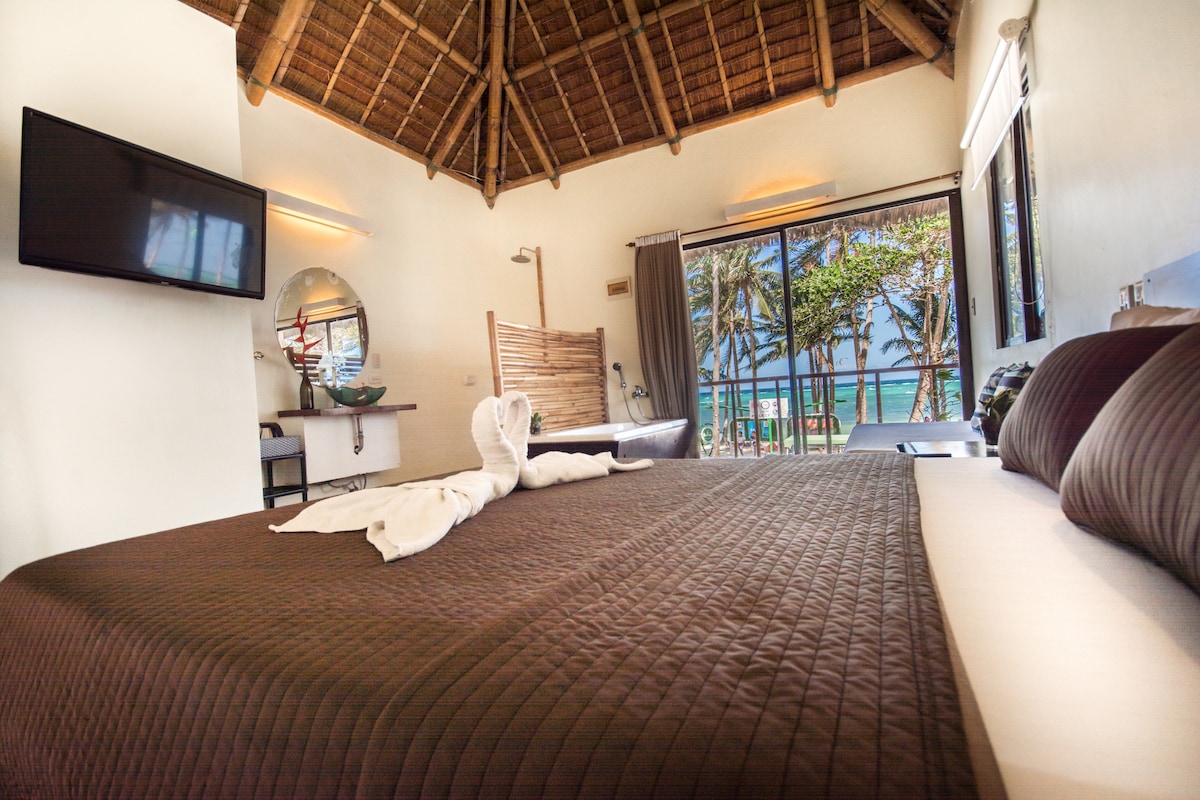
[{"x": 896, "y": 401}]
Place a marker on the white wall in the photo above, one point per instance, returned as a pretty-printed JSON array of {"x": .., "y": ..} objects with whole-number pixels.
[
  {"x": 1116, "y": 110},
  {"x": 126, "y": 408},
  {"x": 440, "y": 258}
]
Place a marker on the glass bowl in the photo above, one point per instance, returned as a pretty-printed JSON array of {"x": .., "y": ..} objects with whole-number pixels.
[{"x": 355, "y": 395}]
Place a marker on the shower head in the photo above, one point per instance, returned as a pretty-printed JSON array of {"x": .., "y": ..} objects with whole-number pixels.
[
  {"x": 617, "y": 367},
  {"x": 522, "y": 256}
]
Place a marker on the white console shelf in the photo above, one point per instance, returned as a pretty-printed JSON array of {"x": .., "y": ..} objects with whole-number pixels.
[{"x": 350, "y": 440}]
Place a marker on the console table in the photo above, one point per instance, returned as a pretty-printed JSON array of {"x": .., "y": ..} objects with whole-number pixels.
[{"x": 350, "y": 440}]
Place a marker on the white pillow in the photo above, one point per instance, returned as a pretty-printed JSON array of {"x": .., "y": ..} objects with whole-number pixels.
[{"x": 1147, "y": 316}]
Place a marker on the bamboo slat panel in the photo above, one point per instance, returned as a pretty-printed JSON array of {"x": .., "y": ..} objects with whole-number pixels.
[{"x": 563, "y": 373}]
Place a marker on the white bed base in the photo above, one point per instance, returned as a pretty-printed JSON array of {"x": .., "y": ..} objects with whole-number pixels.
[{"x": 1083, "y": 657}]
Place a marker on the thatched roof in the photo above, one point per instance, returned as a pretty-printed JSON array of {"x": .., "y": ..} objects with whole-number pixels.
[{"x": 503, "y": 93}]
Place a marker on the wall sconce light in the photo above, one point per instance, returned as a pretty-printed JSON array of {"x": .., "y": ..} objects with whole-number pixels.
[
  {"x": 780, "y": 203},
  {"x": 315, "y": 212},
  {"x": 521, "y": 258}
]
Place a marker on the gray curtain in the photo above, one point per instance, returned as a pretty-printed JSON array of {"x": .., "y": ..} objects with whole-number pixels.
[{"x": 665, "y": 332}]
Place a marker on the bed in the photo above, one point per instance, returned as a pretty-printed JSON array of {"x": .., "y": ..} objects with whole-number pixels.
[{"x": 823, "y": 626}]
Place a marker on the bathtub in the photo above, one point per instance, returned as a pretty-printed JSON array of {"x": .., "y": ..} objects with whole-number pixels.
[{"x": 659, "y": 439}]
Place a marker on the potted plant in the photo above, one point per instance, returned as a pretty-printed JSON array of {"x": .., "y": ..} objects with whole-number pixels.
[{"x": 535, "y": 423}]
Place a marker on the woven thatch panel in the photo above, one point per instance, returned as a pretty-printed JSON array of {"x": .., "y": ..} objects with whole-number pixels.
[
  {"x": 418, "y": 74},
  {"x": 563, "y": 373}
]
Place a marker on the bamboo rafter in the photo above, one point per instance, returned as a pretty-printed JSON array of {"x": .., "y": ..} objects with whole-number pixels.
[
  {"x": 905, "y": 25},
  {"x": 350, "y": 43},
  {"x": 272, "y": 52},
  {"x": 820, "y": 15},
  {"x": 591, "y": 66},
  {"x": 387, "y": 74},
  {"x": 681, "y": 87},
  {"x": 638, "y": 32},
  {"x": 633, "y": 70},
  {"x": 865, "y": 27},
  {"x": 766, "y": 51},
  {"x": 437, "y": 62},
  {"x": 562, "y": 96},
  {"x": 716, "y": 48}
]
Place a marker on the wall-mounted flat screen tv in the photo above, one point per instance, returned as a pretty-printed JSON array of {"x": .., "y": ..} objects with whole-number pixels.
[{"x": 95, "y": 204}]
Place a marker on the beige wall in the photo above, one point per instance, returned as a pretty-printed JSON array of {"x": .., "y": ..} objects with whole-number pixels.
[
  {"x": 125, "y": 408},
  {"x": 1116, "y": 110}
]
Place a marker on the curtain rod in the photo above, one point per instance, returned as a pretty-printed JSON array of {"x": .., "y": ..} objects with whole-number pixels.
[{"x": 957, "y": 176}]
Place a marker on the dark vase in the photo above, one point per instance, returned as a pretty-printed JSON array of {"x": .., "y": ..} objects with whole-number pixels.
[{"x": 306, "y": 391}]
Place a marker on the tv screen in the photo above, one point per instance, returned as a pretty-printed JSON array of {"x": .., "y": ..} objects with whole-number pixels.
[{"x": 95, "y": 204}]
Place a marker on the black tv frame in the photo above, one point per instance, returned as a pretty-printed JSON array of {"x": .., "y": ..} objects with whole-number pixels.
[{"x": 253, "y": 284}]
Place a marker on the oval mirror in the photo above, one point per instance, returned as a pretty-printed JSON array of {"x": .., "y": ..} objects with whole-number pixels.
[{"x": 322, "y": 326}]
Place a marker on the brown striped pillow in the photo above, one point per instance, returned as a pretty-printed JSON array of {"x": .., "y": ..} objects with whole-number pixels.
[
  {"x": 1135, "y": 476},
  {"x": 1066, "y": 391}
]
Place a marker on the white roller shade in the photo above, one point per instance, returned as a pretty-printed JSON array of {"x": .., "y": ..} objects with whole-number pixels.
[{"x": 1000, "y": 100}]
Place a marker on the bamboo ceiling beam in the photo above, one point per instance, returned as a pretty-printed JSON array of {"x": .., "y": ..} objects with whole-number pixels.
[
  {"x": 439, "y": 44},
  {"x": 350, "y": 42},
  {"x": 908, "y": 28},
  {"x": 239, "y": 15},
  {"x": 764, "y": 49},
  {"x": 591, "y": 65},
  {"x": 825, "y": 52},
  {"x": 464, "y": 114},
  {"x": 638, "y": 32},
  {"x": 683, "y": 97},
  {"x": 633, "y": 70},
  {"x": 518, "y": 108},
  {"x": 606, "y": 37},
  {"x": 269, "y": 58},
  {"x": 865, "y": 27},
  {"x": 562, "y": 96},
  {"x": 437, "y": 62},
  {"x": 716, "y": 46},
  {"x": 495, "y": 101}
]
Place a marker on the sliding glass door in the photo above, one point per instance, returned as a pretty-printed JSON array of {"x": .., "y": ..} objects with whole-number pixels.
[{"x": 806, "y": 330}]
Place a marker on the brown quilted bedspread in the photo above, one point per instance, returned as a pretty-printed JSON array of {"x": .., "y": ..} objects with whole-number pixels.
[{"x": 736, "y": 629}]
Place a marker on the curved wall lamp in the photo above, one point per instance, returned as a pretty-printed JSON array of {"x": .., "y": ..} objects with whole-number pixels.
[{"x": 521, "y": 258}]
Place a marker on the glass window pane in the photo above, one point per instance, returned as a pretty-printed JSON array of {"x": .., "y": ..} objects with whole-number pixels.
[{"x": 1012, "y": 291}]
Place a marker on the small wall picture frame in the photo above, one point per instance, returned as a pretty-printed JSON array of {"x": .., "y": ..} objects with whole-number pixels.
[{"x": 620, "y": 288}]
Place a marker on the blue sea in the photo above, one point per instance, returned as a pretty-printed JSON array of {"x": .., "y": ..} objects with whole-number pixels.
[{"x": 896, "y": 396}]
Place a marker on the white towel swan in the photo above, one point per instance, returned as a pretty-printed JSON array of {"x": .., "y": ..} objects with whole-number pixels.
[{"x": 406, "y": 519}]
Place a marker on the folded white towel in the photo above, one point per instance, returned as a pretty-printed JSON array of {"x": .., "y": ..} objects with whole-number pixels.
[{"x": 406, "y": 519}]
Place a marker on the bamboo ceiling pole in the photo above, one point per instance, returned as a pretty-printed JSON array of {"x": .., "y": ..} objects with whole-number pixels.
[
  {"x": 464, "y": 114},
  {"x": 638, "y": 30},
  {"x": 825, "y": 52},
  {"x": 270, "y": 57},
  {"x": 905, "y": 25},
  {"x": 543, "y": 156},
  {"x": 608, "y": 36},
  {"x": 442, "y": 46},
  {"x": 495, "y": 101}
]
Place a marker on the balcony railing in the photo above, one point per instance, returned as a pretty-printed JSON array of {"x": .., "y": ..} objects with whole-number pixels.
[{"x": 753, "y": 418}]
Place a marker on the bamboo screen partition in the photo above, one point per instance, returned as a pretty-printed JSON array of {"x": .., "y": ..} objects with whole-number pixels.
[{"x": 563, "y": 373}]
